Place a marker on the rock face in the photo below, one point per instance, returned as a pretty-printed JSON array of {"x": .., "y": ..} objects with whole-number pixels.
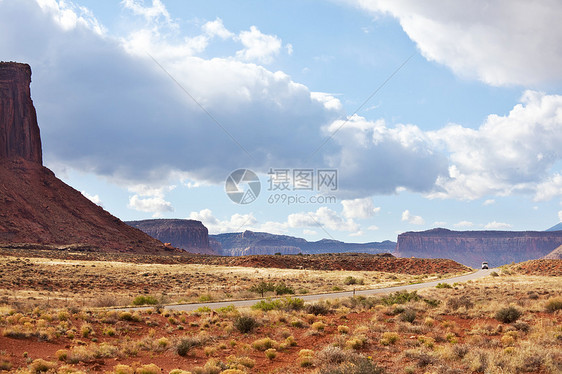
[
  {"x": 35, "y": 206},
  {"x": 260, "y": 243},
  {"x": 472, "y": 247},
  {"x": 187, "y": 234},
  {"x": 19, "y": 132}
]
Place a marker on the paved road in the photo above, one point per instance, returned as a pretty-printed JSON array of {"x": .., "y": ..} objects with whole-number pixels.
[{"x": 334, "y": 295}]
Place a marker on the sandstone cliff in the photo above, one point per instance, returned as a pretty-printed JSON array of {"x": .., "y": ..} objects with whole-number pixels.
[
  {"x": 187, "y": 234},
  {"x": 554, "y": 255},
  {"x": 472, "y": 247},
  {"x": 35, "y": 206},
  {"x": 19, "y": 132}
]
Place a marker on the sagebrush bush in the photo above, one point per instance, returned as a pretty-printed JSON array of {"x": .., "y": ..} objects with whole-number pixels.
[
  {"x": 245, "y": 324},
  {"x": 508, "y": 315},
  {"x": 553, "y": 304},
  {"x": 409, "y": 315},
  {"x": 319, "y": 308},
  {"x": 145, "y": 300}
]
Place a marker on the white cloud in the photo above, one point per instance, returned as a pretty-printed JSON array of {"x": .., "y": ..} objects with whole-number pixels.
[
  {"x": 373, "y": 228},
  {"x": 413, "y": 219},
  {"x": 497, "y": 226},
  {"x": 439, "y": 224},
  {"x": 500, "y": 42},
  {"x": 549, "y": 188},
  {"x": 359, "y": 208},
  {"x": 258, "y": 47},
  {"x": 150, "y": 199},
  {"x": 499, "y": 158},
  {"x": 237, "y": 222},
  {"x": 130, "y": 121},
  {"x": 324, "y": 218},
  {"x": 93, "y": 198},
  {"x": 358, "y": 233},
  {"x": 374, "y": 158},
  {"x": 150, "y": 13},
  {"x": 560, "y": 215},
  {"x": 216, "y": 28},
  {"x": 69, "y": 16},
  {"x": 463, "y": 224},
  {"x": 309, "y": 232},
  {"x": 489, "y": 202}
]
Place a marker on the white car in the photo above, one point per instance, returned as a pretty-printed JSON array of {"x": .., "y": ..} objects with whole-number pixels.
[{"x": 484, "y": 265}]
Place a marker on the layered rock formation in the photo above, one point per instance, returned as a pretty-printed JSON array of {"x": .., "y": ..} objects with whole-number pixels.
[
  {"x": 554, "y": 255},
  {"x": 19, "y": 135},
  {"x": 472, "y": 247},
  {"x": 35, "y": 206},
  {"x": 259, "y": 243},
  {"x": 187, "y": 234}
]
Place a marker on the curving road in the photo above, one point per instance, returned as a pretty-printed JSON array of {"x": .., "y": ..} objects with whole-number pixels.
[{"x": 334, "y": 295}]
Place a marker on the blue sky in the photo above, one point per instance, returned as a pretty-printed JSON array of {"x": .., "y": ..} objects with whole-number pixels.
[{"x": 147, "y": 107}]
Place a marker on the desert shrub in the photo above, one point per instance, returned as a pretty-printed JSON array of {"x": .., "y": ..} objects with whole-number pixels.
[
  {"x": 271, "y": 353},
  {"x": 267, "y": 305},
  {"x": 460, "y": 350},
  {"x": 263, "y": 344},
  {"x": 443, "y": 285},
  {"x": 297, "y": 323},
  {"x": 283, "y": 289},
  {"x": 243, "y": 361},
  {"x": 343, "y": 329},
  {"x": 227, "y": 309},
  {"x": 86, "y": 330},
  {"x": 123, "y": 369},
  {"x": 61, "y": 354},
  {"x": 334, "y": 360},
  {"x": 352, "y": 280},
  {"x": 432, "y": 302},
  {"x": 389, "y": 338},
  {"x": 39, "y": 366},
  {"x": 318, "y": 326},
  {"x": 205, "y": 298},
  {"x": 245, "y": 324},
  {"x": 455, "y": 303},
  {"x": 409, "y": 315},
  {"x": 508, "y": 315},
  {"x": 128, "y": 316},
  {"x": 494, "y": 274},
  {"x": 319, "y": 308},
  {"x": 293, "y": 303},
  {"x": 148, "y": 369},
  {"x": 423, "y": 358},
  {"x": 400, "y": 297},
  {"x": 184, "y": 345},
  {"x": 145, "y": 300},
  {"x": 553, "y": 304},
  {"x": 109, "y": 331}
]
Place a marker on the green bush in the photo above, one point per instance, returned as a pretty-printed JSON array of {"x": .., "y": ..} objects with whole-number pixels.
[
  {"x": 443, "y": 285},
  {"x": 267, "y": 305},
  {"x": 283, "y": 289},
  {"x": 400, "y": 297},
  {"x": 352, "y": 280},
  {"x": 145, "y": 300},
  {"x": 262, "y": 288},
  {"x": 245, "y": 324},
  {"x": 408, "y": 315},
  {"x": 318, "y": 308},
  {"x": 508, "y": 315}
]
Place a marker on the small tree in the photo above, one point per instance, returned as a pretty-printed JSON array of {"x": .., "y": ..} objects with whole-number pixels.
[{"x": 262, "y": 287}]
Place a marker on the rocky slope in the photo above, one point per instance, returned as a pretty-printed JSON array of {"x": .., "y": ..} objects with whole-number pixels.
[
  {"x": 472, "y": 247},
  {"x": 187, "y": 234},
  {"x": 35, "y": 206},
  {"x": 261, "y": 243}
]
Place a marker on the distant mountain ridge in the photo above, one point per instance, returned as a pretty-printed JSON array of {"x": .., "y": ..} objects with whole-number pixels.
[
  {"x": 253, "y": 243},
  {"x": 557, "y": 227}
]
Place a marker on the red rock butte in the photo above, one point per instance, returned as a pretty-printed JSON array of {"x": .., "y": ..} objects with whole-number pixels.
[
  {"x": 35, "y": 206},
  {"x": 19, "y": 132}
]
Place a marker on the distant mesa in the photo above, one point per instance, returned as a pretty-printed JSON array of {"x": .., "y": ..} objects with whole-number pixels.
[
  {"x": 262, "y": 243},
  {"x": 554, "y": 255},
  {"x": 187, "y": 234},
  {"x": 472, "y": 247},
  {"x": 36, "y": 207}
]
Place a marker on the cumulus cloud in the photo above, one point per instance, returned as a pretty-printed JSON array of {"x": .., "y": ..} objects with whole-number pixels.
[
  {"x": 497, "y": 226},
  {"x": 150, "y": 199},
  {"x": 235, "y": 223},
  {"x": 463, "y": 224},
  {"x": 500, "y": 42},
  {"x": 506, "y": 154},
  {"x": 413, "y": 219},
  {"x": 489, "y": 202},
  {"x": 375, "y": 158},
  {"x": 560, "y": 215},
  {"x": 93, "y": 198},
  {"x": 106, "y": 108},
  {"x": 359, "y": 208},
  {"x": 258, "y": 47},
  {"x": 323, "y": 217}
]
